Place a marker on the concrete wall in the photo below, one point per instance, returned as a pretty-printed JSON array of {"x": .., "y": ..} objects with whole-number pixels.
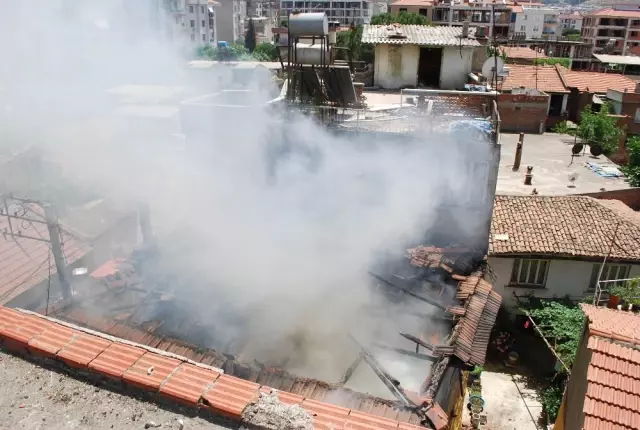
[
  {"x": 456, "y": 66},
  {"x": 564, "y": 277},
  {"x": 396, "y": 66},
  {"x": 523, "y": 113},
  {"x": 630, "y": 197}
]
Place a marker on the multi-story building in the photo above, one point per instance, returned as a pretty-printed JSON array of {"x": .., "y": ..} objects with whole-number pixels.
[
  {"x": 569, "y": 21},
  {"x": 615, "y": 30},
  {"x": 345, "y": 12},
  {"x": 536, "y": 22},
  {"x": 493, "y": 16},
  {"x": 231, "y": 16},
  {"x": 193, "y": 20}
]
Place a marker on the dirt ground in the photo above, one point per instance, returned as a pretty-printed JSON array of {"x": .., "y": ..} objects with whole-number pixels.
[{"x": 32, "y": 397}]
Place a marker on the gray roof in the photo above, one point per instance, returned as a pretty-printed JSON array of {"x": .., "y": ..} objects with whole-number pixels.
[
  {"x": 618, "y": 59},
  {"x": 397, "y": 34}
]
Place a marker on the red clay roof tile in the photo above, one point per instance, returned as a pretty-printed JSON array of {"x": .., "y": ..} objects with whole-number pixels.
[
  {"x": 543, "y": 78},
  {"x": 187, "y": 384},
  {"x": 595, "y": 82},
  {"x": 82, "y": 349},
  {"x": 438, "y": 417},
  {"x": 554, "y": 225},
  {"x": 51, "y": 340},
  {"x": 115, "y": 360},
  {"x": 522, "y": 52},
  {"x": 325, "y": 415},
  {"x": 229, "y": 396},
  {"x": 613, "y": 13},
  {"x": 612, "y": 401},
  {"x": 149, "y": 371},
  {"x": 361, "y": 421}
]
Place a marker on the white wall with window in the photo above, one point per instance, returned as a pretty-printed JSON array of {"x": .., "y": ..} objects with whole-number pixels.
[{"x": 548, "y": 278}]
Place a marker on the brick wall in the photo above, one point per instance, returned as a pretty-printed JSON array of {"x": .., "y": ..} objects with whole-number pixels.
[
  {"x": 631, "y": 102},
  {"x": 630, "y": 197},
  {"x": 522, "y": 113}
]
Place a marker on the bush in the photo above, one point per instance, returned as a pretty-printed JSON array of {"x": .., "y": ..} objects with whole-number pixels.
[
  {"x": 551, "y": 399},
  {"x": 400, "y": 18},
  {"x": 565, "y": 62},
  {"x": 266, "y": 52}
]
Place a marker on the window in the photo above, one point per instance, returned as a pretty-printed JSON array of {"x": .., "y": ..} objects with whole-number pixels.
[
  {"x": 610, "y": 272},
  {"x": 202, "y": 9},
  {"x": 536, "y": 28},
  {"x": 204, "y": 23},
  {"x": 403, "y": 9},
  {"x": 193, "y": 37},
  {"x": 523, "y": 28},
  {"x": 191, "y": 9},
  {"x": 193, "y": 23},
  {"x": 204, "y": 37},
  {"x": 422, "y": 12},
  {"x": 529, "y": 273},
  {"x": 636, "y": 119}
]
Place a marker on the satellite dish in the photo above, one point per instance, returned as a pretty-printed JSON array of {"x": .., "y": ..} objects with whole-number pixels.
[
  {"x": 489, "y": 67},
  {"x": 596, "y": 150},
  {"x": 572, "y": 179},
  {"x": 577, "y": 148}
]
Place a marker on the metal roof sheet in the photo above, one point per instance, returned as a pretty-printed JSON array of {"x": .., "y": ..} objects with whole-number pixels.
[
  {"x": 618, "y": 59},
  {"x": 397, "y": 34}
]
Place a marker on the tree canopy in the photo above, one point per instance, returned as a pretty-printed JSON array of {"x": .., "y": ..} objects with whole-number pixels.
[
  {"x": 598, "y": 128},
  {"x": 632, "y": 169},
  {"x": 400, "y": 18}
]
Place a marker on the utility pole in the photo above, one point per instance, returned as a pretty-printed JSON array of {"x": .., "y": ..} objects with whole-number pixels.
[{"x": 56, "y": 248}]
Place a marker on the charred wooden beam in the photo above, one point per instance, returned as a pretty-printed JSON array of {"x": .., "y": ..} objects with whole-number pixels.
[
  {"x": 389, "y": 381},
  {"x": 417, "y": 341},
  {"x": 407, "y": 292},
  {"x": 408, "y": 353},
  {"x": 347, "y": 374}
]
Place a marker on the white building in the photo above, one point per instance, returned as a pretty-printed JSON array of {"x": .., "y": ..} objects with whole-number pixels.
[
  {"x": 193, "y": 20},
  {"x": 421, "y": 56},
  {"x": 554, "y": 246},
  {"x": 536, "y": 22},
  {"x": 345, "y": 12}
]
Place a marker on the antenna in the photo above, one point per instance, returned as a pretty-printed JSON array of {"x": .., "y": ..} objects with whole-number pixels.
[{"x": 572, "y": 179}]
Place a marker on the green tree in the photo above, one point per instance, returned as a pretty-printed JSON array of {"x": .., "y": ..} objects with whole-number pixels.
[
  {"x": 250, "y": 37},
  {"x": 569, "y": 31},
  {"x": 565, "y": 62},
  {"x": 265, "y": 51},
  {"x": 400, "y": 18},
  {"x": 354, "y": 50},
  {"x": 598, "y": 128},
  {"x": 632, "y": 169}
]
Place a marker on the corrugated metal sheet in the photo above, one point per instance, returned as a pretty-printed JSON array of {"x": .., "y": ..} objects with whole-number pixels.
[{"x": 398, "y": 34}]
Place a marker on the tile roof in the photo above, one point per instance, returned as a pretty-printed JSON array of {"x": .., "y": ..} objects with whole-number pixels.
[
  {"x": 171, "y": 376},
  {"x": 522, "y": 53},
  {"x": 612, "y": 401},
  {"x": 398, "y": 34},
  {"x": 596, "y": 82},
  {"x": 569, "y": 226},
  {"x": 613, "y": 13},
  {"x": 543, "y": 78},
  {"x": 623, "y": 326},
  {"x": 24, "y": 263}
]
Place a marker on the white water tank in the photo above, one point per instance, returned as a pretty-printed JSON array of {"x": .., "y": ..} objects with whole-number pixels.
[
  {"x": 308, "y": 24},
  {"x": 305, "y": 53}
]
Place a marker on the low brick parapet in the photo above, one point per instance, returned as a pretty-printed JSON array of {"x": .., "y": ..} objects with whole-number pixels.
[{"x": 171, "y": 377}]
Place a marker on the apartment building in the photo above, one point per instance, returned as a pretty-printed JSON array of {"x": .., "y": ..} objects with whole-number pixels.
[
  {"x": 231, "y": 16},
  {"x": 615, "y": 30},
  {"x": 536, "y": 22},
  {"x": 479, "y": 14},
  {"x": 569, "y": 21},
  {"x": 193, "y": 20},
  {"x": 345, "y": 12}
]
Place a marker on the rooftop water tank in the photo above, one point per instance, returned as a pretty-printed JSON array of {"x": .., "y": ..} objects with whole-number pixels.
[{"x": 308, "y": 24}]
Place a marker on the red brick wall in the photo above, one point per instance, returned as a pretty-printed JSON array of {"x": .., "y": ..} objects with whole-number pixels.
[
  {"x": 523, "y": 113},
  {"x": 630, "y": 196}
]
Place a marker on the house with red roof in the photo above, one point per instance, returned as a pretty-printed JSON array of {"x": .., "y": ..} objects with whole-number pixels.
[{"x": 604, "y": 388}]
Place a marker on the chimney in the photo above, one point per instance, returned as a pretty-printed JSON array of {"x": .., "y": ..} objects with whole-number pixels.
[{"x": 465, "y": 29}]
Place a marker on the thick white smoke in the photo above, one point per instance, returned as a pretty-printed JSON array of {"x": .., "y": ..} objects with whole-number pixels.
[{"x": 285, "y": 246}]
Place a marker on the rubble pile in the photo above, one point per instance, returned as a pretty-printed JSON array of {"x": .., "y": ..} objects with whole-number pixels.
[{"x": 269, "y": 413}]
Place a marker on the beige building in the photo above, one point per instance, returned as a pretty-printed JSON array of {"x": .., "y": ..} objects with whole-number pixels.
[
  {"x": 614, "y": 30},
  {"x": 421, "y": 7}
]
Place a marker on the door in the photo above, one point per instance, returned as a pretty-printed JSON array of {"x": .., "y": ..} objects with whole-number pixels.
[{"x": 429, "y": 66}]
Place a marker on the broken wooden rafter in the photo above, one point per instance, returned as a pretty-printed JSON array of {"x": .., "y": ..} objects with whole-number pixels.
[
  {"x": 409, "y": 293},
  {"x": 349, "y": 372},
  {"x": 417, "y": 340},
  {"x": 408, "y": 353},
  {"x": 391, "y": 383}
]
